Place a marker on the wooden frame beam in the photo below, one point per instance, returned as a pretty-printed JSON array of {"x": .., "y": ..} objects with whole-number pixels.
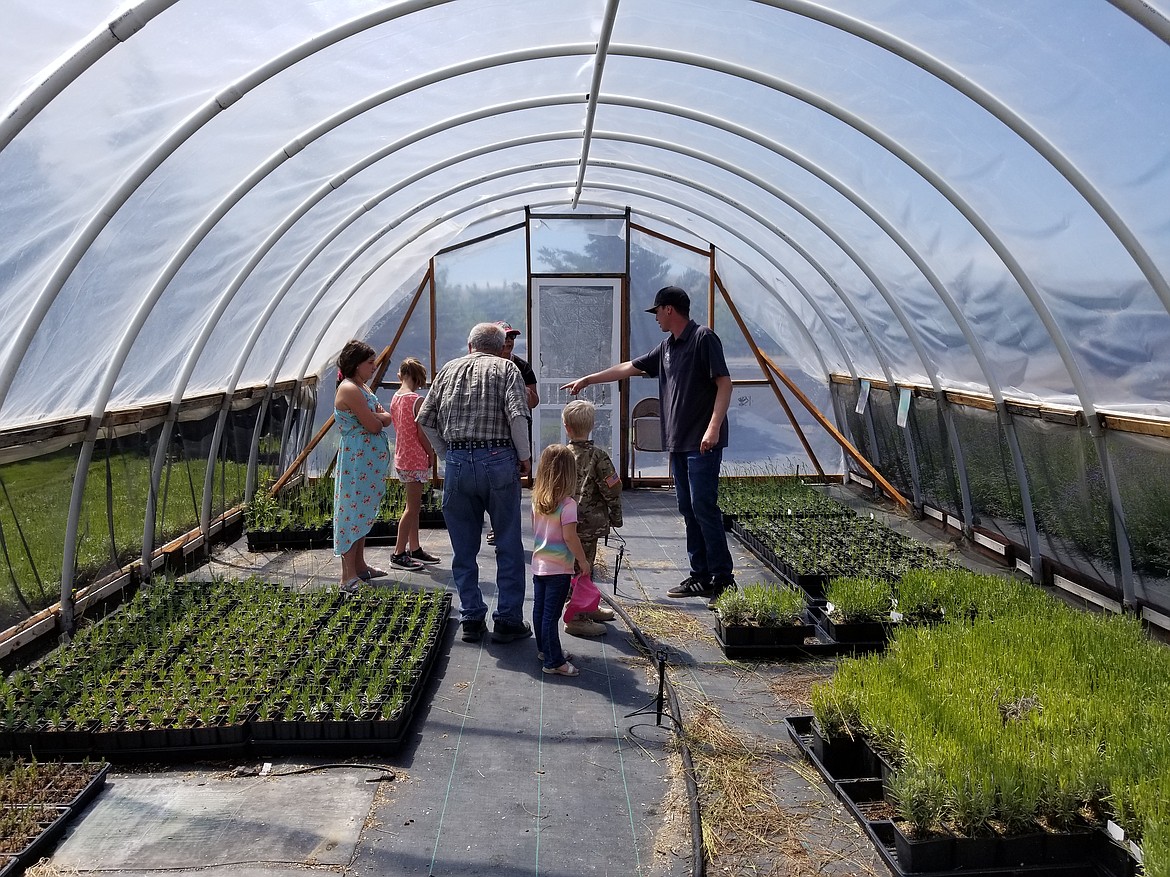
[{"x": 763, "y": 363}]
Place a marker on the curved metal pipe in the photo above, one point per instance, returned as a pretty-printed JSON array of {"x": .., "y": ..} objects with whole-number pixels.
[
  {"x": 1048, "y": 150},
  {"x": 258, "y": 254},
  {"x": 387, "y": 95},
  {"x": 607, "y": 21},
  {"x": 1147, "y": 16},
  {"x": 22, "y": 337},
  {"x": 350, "y": 112},
  {"x": 100, "y": 41},
  {"x": 998, "y": 246},
  {"x": 327, "y": 322},
  {"x": 928, "y": 363}
]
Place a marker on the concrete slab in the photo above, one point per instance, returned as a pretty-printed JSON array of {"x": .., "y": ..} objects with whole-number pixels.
[{"x": 190, "y": 821}]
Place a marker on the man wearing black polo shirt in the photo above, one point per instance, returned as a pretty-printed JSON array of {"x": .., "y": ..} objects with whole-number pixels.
[{"x": 694, "y": 386}]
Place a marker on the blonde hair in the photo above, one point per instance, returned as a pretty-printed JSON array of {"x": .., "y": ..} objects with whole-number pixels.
[
  {"x": 556, "y": 478},
  {"x": 578, "y": 417},
  {"x": 414, "y": 370}
]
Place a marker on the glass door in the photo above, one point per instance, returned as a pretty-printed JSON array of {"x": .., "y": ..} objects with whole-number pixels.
[{"x": 577, "y": 331}]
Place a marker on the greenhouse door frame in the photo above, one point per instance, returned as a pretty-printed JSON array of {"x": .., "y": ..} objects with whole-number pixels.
[{"x": 580, "y": 352}]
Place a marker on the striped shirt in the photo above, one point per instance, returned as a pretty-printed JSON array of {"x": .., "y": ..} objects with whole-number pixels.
[{"x": 475, "y": 398}]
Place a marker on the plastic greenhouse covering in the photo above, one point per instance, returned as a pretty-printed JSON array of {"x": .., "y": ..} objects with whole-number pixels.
[{"x": 947, "y": 224}]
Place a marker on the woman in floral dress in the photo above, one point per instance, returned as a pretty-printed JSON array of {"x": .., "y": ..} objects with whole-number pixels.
[{"x": 359, "y": 480}]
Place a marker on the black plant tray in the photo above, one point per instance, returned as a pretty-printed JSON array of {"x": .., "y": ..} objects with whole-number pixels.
[
  {"x": 150, "y": 744},
  {"x": 341, "y": 739},
  {"x": 1079, "y": 854},
  {"x": 55, "y": 745},
  {"x": 755, "y": 635},
  {"x": 44, "y": 842},
  {"x": 382, "y": 533},
  {"x": 96, "y": 784},
  {"x": 857, "y": 631},
  {"x": 386, "y": 532},
  {"x": 858, "y": 637},
  {"x": 812, "y": 645},
  {"x": 813, "y": 584},
  {"x": 359, "y": 737},
  {"x": 173, "y": 745},
  {"x": 284, "y": 540},
  {"x": 80, "y": 798},
  {"x": 815, "y": 644}
]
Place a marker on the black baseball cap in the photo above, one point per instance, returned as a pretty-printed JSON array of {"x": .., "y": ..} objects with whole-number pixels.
[{"x": 673, "y": 296}]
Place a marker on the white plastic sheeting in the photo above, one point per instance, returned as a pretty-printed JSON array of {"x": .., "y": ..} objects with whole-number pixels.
[{"x": 200, "y": 195}]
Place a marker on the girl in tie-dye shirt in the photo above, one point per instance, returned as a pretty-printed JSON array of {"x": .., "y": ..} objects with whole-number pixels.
[{"x": 556, "y": 546}]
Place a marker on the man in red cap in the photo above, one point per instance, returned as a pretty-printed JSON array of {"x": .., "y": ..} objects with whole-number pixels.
[{"x": 510, "y": 336}]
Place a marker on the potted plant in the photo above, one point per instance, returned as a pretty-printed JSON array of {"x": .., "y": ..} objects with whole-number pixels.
[
  {"x": 919, "y": 797},
  {"x": 835, "y": 739},
  {"x": 857, "y": 610},
  {"x": 918, "y": 599},
  {"x": 764, "y": 615},
  {"x": 1065, "y": 737}
]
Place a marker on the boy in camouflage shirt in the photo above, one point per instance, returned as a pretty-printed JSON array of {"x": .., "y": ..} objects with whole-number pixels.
[{"x": 599, "y": 500}]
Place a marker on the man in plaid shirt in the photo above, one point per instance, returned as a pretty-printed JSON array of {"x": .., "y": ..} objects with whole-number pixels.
[{"x": 476, "y": 415}]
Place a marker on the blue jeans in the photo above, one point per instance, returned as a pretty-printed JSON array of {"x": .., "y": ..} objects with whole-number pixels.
[
  {"x": 549, "y": 594},
  {"x": 696, "y": 484},
  {"x": 477, "y": 481}
]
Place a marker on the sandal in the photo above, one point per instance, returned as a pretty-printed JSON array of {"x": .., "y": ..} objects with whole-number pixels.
[
  {"x": 352, "y": 586},
  {"x": 566, "y": 669},
  {"x": 372, "y": 572}
]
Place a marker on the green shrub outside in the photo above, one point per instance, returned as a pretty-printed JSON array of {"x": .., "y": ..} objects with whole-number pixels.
[{"x": 35, "y": 509}]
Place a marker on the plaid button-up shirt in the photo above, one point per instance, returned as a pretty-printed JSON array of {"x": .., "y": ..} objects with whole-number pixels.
[{"x": 475, "y": 398}]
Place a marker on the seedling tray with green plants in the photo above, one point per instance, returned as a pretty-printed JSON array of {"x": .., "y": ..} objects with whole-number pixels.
[
  {"x": 809, "y": 551},
  {"x": 762, "y": 620},
  {"x": 748, "y": 492},
  {"x": 207, "y": 669},
  {"x": 852, "y": 768},
  {"x": 856, "y": 611},
  {"x": 1017, "y": 717},
  {"x": 301, "y": 517},
  {"x": 37, "y": 800}
]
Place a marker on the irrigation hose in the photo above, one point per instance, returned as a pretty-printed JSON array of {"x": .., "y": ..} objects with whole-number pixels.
[
  {"x": 388, "y": 774},
  {"x": 27, "y": 551},
  {"x": 698, "y": 861},
  {"x": 12, "y": 572}
]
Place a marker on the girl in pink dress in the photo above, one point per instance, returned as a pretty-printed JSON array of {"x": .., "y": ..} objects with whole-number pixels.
[{"x": 413, "y": 458}]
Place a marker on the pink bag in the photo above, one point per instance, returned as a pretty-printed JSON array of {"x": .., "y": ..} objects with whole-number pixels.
[{"x": 584, "y": 597}]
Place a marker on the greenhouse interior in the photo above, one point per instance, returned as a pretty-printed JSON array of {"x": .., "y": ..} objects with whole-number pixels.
[{"x": 932, "y": 241}]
